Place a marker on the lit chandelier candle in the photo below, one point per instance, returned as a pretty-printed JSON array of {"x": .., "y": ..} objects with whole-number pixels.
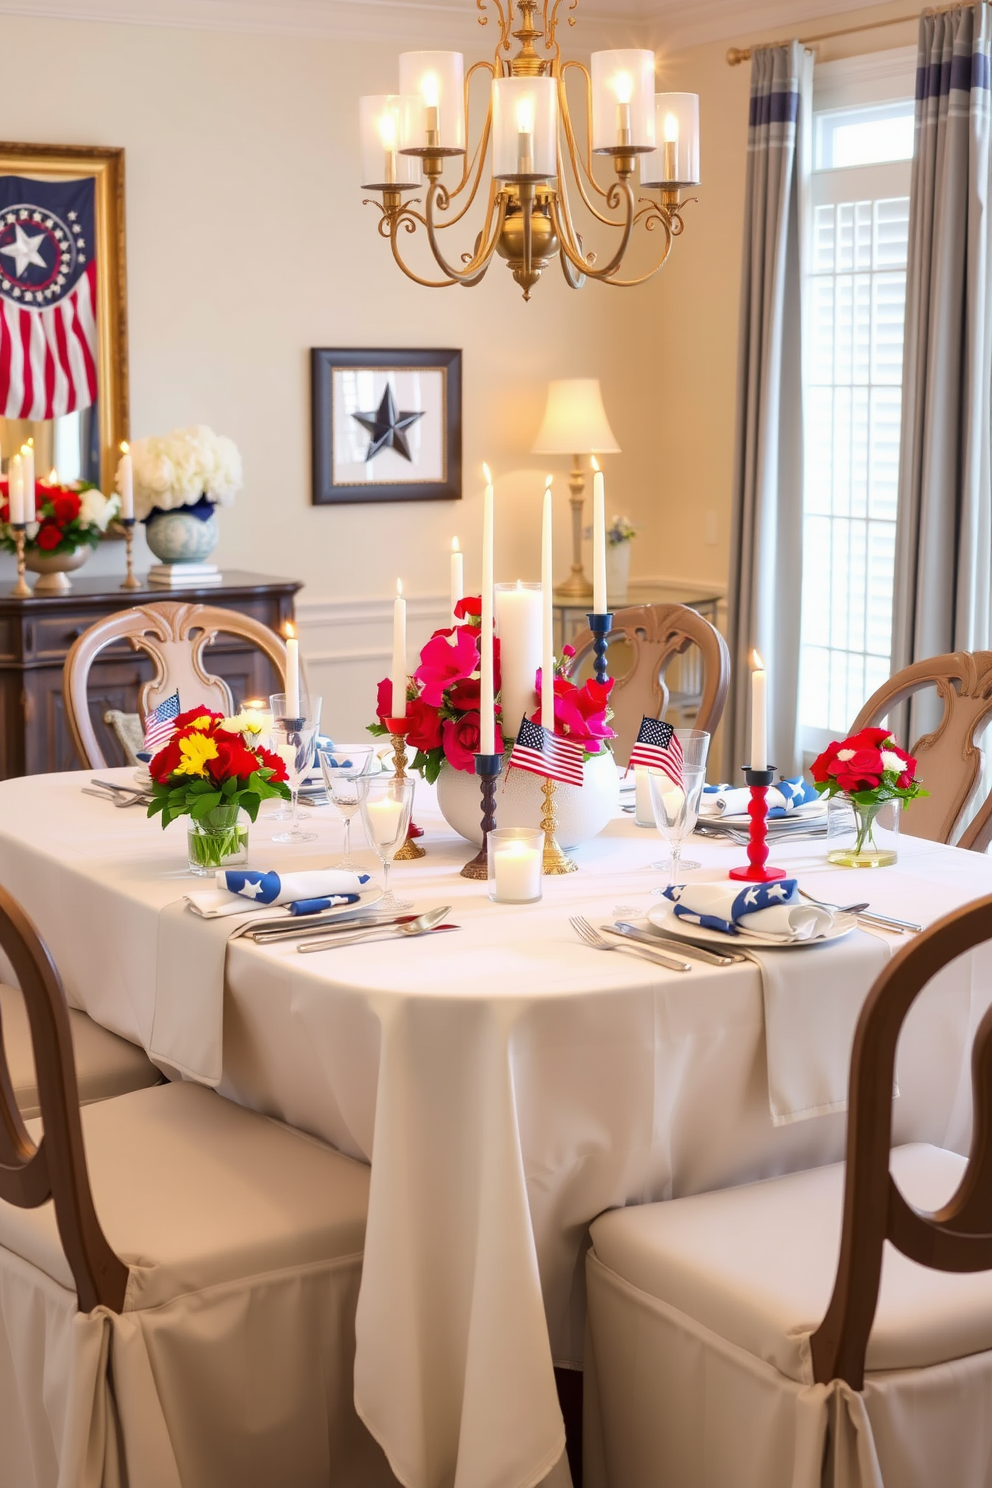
[
  {"x": 388, "y": 135},
  {"x": 398, "y": 690},
  {"x": 434, "y": 82},
  {"x": 671, "y": 128},
  {"x": 623, "y": 101},
  {"x": 487, "y": 698},
  {"x": 525, "y": 137},
  {"x": 675, "y": 162},
  {"x": 125, "y": 482},
  {"x": 15, "y": 490},
  {"x": 759, "y": 714},
  {"x": 27, "y": 467},
  {"x": 457, "y": 576},
  {"x": 599, "y": 596},
  {"x": 623, "y": 86},
  {"x": 547, "y": 608}
]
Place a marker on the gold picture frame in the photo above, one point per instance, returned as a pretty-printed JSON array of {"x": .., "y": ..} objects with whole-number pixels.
[{"x": 105, "y": 164}]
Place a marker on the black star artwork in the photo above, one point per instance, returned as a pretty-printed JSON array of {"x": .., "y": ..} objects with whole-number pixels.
[{"x": 387, "y": 428}]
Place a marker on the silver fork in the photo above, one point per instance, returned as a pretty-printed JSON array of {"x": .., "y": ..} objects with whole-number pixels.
[{"x": 592, "y": 938}]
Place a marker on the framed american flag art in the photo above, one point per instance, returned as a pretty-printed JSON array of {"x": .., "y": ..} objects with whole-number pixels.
[
  {"x": 387, "y": 425},
  {"x": 63, "y": 308}
]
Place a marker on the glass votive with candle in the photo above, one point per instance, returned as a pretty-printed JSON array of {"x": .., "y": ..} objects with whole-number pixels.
[
  {"x": 381, "y": 120},
  {"x": 675, "y": 161},
  {"x": 623, "y": 101},
  {"x": 432, "y": 85},
  {"x": 525, "y": 129},
  {"x": 516, "y": 855}
]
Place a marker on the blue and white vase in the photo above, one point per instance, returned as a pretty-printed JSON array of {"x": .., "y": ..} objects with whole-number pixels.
[{"x": 186, "y": 534}]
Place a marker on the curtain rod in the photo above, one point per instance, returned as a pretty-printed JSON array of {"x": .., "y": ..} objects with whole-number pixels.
[{"x": 737, "y": 55}]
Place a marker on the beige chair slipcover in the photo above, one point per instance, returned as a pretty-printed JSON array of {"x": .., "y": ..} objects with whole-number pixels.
[
  {"x": 699, "y": 1372},
  {"x": 106, "y": 1065},
  {"x": 231, "y": 1362}
]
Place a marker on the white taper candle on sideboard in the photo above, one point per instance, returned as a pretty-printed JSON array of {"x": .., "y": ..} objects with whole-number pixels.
[
  {"x": 600, "y": 605},
  {"x": 547, "y": 615},
  {"x": 125, "y": 482},
  {"x": 292, "y": 671},
  {"x": 30, "y": 496},
  {"x": 457, "y": 576},
  {"x": 15, "y": 489},
  {"x": 759, "y": 714},
  {"x": 398, "y": 674},
  {"x": 487, "y": 697}
]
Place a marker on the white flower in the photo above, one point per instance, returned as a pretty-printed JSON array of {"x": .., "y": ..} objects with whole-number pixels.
[
  {"x": 246, "y": 722},
  {"x": 892, "y": 762},
  {"x": 97, "y": 510},
  {"x": 178, "y": 468},
  {"x": 845, "y": 754}
]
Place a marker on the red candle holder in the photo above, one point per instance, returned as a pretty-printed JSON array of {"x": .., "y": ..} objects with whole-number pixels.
[
  {"x": 757, "y": 847},
  {"x": 399, "y": 728}
]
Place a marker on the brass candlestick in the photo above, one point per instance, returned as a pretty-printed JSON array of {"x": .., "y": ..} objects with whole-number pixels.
[
  {"x": 399, "y": 728},
  {"x": 556, "y": 860},
  {"x": 20, "y": 589},
  {"x": 130, "y": 582}
]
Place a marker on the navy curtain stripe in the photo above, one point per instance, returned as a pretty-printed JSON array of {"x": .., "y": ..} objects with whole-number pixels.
[
  {"x": 959, "y": 74},
  {"x": 774, "y": 108}
]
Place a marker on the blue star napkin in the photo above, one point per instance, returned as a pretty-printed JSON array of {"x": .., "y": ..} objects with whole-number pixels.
[{"x": 773, "y": 909}]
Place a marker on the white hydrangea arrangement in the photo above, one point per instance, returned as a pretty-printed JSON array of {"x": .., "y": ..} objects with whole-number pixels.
[{"x": 182, "y": 468}]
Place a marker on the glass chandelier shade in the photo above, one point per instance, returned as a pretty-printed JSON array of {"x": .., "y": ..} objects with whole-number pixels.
[
  {"x": 623, "y": 102},
  {"x": 525, "y": 129},
  {"x": 434, "y": 123},
  {"x": 675, "y": 160},
  {"x": 380, "y": 121}
]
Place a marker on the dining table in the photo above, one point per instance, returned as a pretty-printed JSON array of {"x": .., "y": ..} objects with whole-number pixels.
[{"x": 506, "y": 1082}]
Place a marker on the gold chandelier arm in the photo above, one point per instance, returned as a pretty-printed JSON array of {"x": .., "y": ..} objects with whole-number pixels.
[
  {"x": 505, "y": 21},
  {"x": 581, "y": 167},
  {"x": 563, "y": 227},
  {"x": 551, "y": 9},
  {"x": 389, "y": 227},
  {"x": 473, "y": 167},
  {"x": 482, "y": 255},
  {"x": 643, "y": 278}
]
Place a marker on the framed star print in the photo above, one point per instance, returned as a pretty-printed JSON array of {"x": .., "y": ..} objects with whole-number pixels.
[
  {"x": 387, "y": 425},
  {"x": 63, "y": 308}
]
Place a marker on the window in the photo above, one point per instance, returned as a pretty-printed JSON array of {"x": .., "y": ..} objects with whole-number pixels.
[{"x": 855, "y": 293}]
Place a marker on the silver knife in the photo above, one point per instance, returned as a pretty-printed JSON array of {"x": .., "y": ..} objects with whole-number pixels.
[
  {"x": 312, "y": 924},
  {"x": 879, "y": 919},
  {"x": 688, "y": 947},
  {"x": 329, "y": 943}
]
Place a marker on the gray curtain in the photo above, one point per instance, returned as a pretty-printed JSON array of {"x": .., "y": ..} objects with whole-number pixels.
[
  {"x": 766, "y": 538},
  {"x": 944, "y": 529}
]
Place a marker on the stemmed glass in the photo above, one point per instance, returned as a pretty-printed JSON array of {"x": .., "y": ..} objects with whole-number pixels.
[
  {"x": 675, "y": 811},
  {"x": 695, "y": 749},
  {"x": 293, "y": 739},
  {"x": 343, "y": 770},
  {"x": 386, "y": 804},
  {"x": 310, "y": 705}
]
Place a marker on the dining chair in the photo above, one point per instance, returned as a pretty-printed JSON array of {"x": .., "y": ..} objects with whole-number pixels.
[
  {"x": 656, "y": 635},
  {"x": 950, "y": 757},
  {"x": 827, "y": 1329},
  {"x": 174, "y": 636},
  {"x": 178, "y": 1282}
]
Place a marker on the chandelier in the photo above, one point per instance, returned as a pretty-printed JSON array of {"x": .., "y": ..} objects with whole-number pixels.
[{"x": 530, "y": 142}]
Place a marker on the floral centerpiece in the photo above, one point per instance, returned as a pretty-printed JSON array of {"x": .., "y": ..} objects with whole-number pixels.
[
  {"x": 179, "y": 480},
  {"x": 211, "y": 769},
  {"x": 868, "y": 770},
  {"x": 71, "y": 517}
]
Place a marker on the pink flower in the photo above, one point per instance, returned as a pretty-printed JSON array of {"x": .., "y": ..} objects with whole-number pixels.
[
  {"x": 580, "y": 712},
  {"x": 446, "y": 659}
]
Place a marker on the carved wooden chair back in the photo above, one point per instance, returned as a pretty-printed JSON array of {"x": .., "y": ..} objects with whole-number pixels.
[
  {"x": 54, "y": 1167},
  {"x": 174, "y": 636},
  {"x": 957, "y": 1237},
  {"x": 950, "y": 760},
  {"x": 656, "y": 634}
]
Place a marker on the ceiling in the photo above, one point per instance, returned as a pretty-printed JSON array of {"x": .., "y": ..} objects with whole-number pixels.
[{"x": 668, "y": 23}]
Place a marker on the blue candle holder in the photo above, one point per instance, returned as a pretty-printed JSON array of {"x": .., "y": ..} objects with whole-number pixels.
[
  {"x": 487, "y": 767},
  {"x": 600, "y": 625}
]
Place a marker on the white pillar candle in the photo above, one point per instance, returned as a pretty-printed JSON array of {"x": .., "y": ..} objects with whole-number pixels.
[
  {"x": 27, "y": 458},
  {"x": 15, "y": 486},
  {"x": 487, "y": 696},
  {"x": 292, "y": 673},
  {"x": 399, "y": 654},
  {"x": 600, "y": 603},
  {"x": 517, "y": 869},
  {"x": 759, "y": 715},
  {"x": 547, "y": 616},
  {"x": 125, "y": 483},
  {"x": 457, "y": 577},
  {"x": 518, "y": 625},
  {"x": 384, "y": 818}
]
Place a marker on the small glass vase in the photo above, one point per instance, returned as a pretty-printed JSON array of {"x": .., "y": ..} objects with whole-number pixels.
[
  {"x": 220, "y": 840},
  {"x": 846, "y": 817}
]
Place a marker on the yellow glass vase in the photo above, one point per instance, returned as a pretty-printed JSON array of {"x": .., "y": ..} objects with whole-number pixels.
[{"x": 864, "y": 852}]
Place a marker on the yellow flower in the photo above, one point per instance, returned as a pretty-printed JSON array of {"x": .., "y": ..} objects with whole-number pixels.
[
  {"x": 203, "y": 723},
  {"x": 195, "y": 751}
]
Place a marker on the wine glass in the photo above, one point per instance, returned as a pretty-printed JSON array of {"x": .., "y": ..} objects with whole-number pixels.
[
  {"x": 386, "y": 804},
  {"x": 675, "y": 810},
  {"x": 293, "y": 740},
  {"x": 695, "y": 749},
  {"x": 343, "y": 769},
  {"x": 309, "y": 705}
]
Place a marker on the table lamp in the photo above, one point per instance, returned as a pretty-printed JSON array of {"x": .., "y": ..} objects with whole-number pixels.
[{"x": 575, "y": 424}]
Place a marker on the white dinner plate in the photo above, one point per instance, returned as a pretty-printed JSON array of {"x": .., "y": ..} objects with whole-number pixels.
[
  {"x": 664, "y": 916},
  {"x": 815, "y": 811}
]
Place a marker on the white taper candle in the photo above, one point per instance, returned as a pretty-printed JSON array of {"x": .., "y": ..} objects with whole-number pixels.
[
  {"x": 398, "y": 703},
  {"x": 15, "y": 487},
  {"x": 125, "y": 483},
  {"x": 759, "y": 715},
  {"x": 600, "y": 603},
  {"x": 548, "y": 627},
  {"x": 27, "y": 458},
  {"x": 487, "y": 698},
  {"x": 457, "y": 576},
  {"x": 292, "y": 672}
]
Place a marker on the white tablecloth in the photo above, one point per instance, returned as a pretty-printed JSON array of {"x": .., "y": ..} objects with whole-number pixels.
[{"x": 511, "y": 1084}]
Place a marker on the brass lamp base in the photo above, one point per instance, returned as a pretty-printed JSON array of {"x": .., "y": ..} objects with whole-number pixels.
[{"x": 556, "y": 860}]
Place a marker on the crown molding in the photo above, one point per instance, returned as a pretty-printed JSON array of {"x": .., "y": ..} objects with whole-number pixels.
[{"x": 674, "y": 26}]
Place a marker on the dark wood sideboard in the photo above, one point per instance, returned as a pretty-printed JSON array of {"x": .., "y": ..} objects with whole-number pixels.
[{"x": 36, "y": 634}]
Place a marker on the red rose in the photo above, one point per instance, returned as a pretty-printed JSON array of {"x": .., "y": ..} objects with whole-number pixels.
[
  {"x": 425, "y": 726},
  {"x": 233, "y": 758},
  {"x": 191, "y": 714},
  {"x": 66, "y": 508},
  {"x": 468, "y": 608},
  {"x": 867, "y": 738},
  {"x": 273, "y": 762},
  {"x": 465, "y": 695},
  {"x": 49, "y": 536},
  {"x": 164, "y": 763},
  {"x": 461, "y": 741}
]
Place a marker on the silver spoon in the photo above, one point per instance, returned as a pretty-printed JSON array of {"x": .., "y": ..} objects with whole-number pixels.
[{"x": 419, "y": 926}]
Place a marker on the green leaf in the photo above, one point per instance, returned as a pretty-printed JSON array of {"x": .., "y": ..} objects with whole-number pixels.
[
  {"x": 204, "y": 805},
  {"x": 374, "y": 728},
  {"x": 250, "y": 805},
  {"x": 230, "y": 786}
]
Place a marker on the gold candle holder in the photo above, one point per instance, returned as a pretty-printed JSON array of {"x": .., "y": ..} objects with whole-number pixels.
[
  {"x": 398, "y": 728},
  {"x": 556, "y": 860},
  {"x": 20, "y": 589},
  {"x": 130, "y": 582}
]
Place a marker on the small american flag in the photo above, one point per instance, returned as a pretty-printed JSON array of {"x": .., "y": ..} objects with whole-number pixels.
[
  {"x": 546, "y": 754},
  {"x": 159, "y": 725},
  {"x": 658, "y": 748}
]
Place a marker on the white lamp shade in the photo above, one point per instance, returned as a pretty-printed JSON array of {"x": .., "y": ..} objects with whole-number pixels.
[
  {"x": 622, "y": 101},
  {"x": 435, "y": 81},
  {"x": 575, "y": 421},
  {"x": 380, "y": 118},
  {"x": 525, "y": 128},
  {"x": 675, "y": 162}
]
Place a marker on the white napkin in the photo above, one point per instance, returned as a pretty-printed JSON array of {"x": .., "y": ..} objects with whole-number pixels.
[
  {"x": 773, "y": 909},
  {"x": 783, "y": 798},
  {"x": 240, "y": 890}
]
